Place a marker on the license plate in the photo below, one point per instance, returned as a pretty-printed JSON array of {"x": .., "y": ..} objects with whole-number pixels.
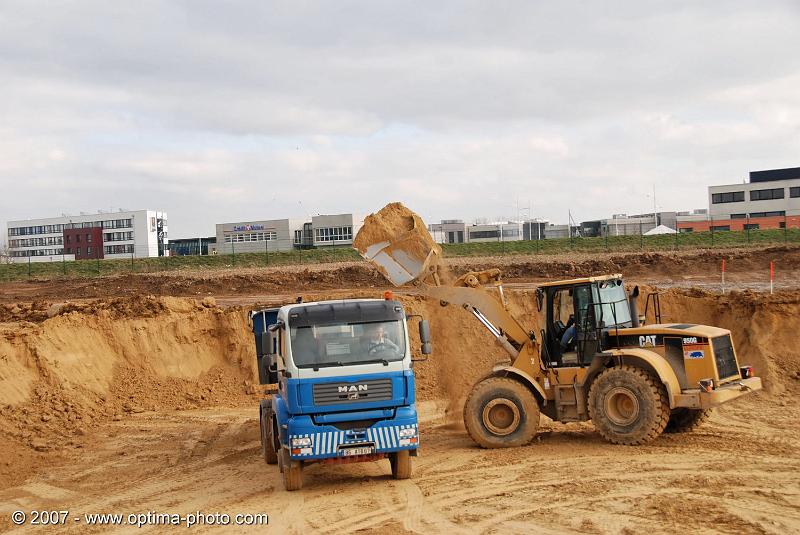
[{"x": 365, "y": 450}]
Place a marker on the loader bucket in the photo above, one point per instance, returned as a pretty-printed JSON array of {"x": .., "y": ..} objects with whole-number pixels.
[{"x": 396, "y": 241}]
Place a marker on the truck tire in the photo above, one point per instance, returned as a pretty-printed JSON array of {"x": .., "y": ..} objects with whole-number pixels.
[
  {"x": 401, "y": 464},
  {"x": 628, "y": 405},
  {"x": 267, "y": 440},
  {"x": 683, "y": 420},
  {"x": 501, "y": 413},
  {"x": 292, "y": 471}
]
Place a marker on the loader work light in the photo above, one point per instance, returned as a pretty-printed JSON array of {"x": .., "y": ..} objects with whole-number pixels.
[
  {"x": 706, "y": 385},
  {"x": 747, "y": 372}
]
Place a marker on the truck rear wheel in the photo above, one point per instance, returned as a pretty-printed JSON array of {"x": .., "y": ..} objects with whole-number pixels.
[
  {"x": 401, "y": 464},
  {"x": 683, "y": 420},
  {"x": 292, "y": 471},
  {"x": 267, "y": 440},
  {"x": 628, "y": 405},
  {"x": 501, "y": 413}
]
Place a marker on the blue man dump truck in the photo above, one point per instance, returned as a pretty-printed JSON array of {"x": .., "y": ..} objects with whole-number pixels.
[{"x": 345, "y": 384}]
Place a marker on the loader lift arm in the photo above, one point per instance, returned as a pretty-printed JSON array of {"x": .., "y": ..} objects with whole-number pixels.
[{"x": 488, "y": 309}]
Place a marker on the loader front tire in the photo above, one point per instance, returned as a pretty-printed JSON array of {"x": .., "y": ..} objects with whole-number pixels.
[
  {"x": 292, "y": 471},
  {"x": 683, "y": 420},
  {"x": 628, "y": 405},
  {"x": 401, "y": 464},
  {"x": 501, "y": 413}
]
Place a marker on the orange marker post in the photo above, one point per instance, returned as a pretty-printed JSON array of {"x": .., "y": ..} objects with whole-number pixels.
[
  {"x": 771, "y": 276},
  {"x": 723, "y": 275}
]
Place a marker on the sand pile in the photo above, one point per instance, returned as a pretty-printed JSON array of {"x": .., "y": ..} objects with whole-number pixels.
[
  {"x": 78, "y": 368},
  {"x": 407, "y": 240}
]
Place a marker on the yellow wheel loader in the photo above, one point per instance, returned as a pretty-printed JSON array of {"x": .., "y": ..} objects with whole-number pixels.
[{"x": 590, "y": 357}]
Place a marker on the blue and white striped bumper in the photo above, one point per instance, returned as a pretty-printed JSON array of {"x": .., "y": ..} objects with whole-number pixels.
[{"x": 329, "y": 443}]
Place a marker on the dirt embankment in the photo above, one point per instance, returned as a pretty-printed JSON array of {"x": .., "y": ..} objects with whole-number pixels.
[
  {"x": 90, "y": 363},
  {"x": 61, "y": 378},
  {"x": 280, "y": 280}
]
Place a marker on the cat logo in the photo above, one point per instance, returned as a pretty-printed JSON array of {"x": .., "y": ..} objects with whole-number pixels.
[{"x": 648, "y": 340}]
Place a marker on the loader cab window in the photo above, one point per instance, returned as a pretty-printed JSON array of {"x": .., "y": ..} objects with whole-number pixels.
[
  {"x": 570, "y": 319},
  {"x": 612, "y": 307}
]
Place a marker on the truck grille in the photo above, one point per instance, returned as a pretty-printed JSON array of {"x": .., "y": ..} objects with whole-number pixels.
[
  {"x": 357, "y": 392},
  {"x": 723, "y": 354}
]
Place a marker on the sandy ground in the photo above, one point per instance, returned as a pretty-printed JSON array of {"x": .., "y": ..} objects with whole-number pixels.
[
  {"x": 737, "y": 475},
  {"x": 133, "y": 404}
]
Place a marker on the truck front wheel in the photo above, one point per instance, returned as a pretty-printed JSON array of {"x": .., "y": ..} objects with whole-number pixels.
[
  {"x": 267, "y": 440},
  {"x": 500, "y": 413},
  {"x": 401, "y": 464},
  {"x": 628, "y": 405},
  {"x": 292, "y": 471}
]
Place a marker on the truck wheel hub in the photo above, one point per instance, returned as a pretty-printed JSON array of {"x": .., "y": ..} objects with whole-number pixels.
[
  {"x": 501, "y": 416},
  {"x": 622, "y": 407}
]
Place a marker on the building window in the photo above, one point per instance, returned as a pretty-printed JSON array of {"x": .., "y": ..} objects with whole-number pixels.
[
  {"x": 478, "y": 234},
  {"x": 686, "y": 230},
  {"x": 720, "y": 228},
  {"x": 77, "y": 238},
  {"x": 78, "y": 251},
  {"x": 88, "y": 238},
  {"x": 88, "y": 250},
  {"x": 738, "y": 216},
  {"x": 766, "y": 194},
  {"x": 731, "y": 196},
  {"x": 782, "y": 224},
  {"x": 751, "y": 226},
  {"x": 118, "y": 249},
  {"x": 298, "y": 237},
  {"x": 779, "y": 213},
  {"x": 333, "y": 234},
  {"x": 794, "y": 191},
  {"x": 269, "y": 235}
]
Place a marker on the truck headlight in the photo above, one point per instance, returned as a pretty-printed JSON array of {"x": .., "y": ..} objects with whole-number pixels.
[
  {"x": 407, "y": 432},
  {"x": 302, "y": 442}
]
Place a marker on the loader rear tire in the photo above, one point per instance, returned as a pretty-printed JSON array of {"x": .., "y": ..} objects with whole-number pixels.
[
  {"x": 292, "y": 471},
  {"x": 683, "y": 420},
  {"x": 267, "y": 440},
  {"x": 501, "y": 413},
  {"x": 628, "y": 405},
  {"x": 401, "y": 464}
]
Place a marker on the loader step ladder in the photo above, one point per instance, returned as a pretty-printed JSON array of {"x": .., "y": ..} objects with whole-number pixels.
[
  {"x": 570, "y": 404},
  {"x": 656, "y": 306}
]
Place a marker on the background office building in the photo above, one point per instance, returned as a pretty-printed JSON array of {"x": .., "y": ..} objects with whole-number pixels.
[
  {"x": 287, "y": 234},
  {"x": 771, "y": 199},
  {"x": 123, "y": 234},
  {"x": 448, "y": 231},
  {"x": 257, "y": 236}
]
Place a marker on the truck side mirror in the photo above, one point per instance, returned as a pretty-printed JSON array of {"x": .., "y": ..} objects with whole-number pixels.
[{"x": 425, "y": 337}]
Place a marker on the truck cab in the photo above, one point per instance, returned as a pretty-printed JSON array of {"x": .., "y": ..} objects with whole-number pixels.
[{"x": 343, "y": 385}]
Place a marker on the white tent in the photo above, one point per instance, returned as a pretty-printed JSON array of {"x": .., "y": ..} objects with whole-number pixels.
[{"x": 661, "y": 229}]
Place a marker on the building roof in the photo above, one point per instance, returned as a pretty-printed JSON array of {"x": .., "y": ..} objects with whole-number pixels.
[{"x": 769, "y": 175}]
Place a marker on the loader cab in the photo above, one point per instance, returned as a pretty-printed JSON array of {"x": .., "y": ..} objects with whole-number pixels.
[{"x": 578, "y": 313}]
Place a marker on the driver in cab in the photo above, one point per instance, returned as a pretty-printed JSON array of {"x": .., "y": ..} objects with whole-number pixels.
[{"x": 378, "y": 341}]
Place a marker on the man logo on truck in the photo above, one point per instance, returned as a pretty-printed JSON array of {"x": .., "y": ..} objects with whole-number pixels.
[{"x": 353, "y": 388}]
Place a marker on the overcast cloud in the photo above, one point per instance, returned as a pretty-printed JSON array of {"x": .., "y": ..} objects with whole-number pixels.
[{"x": 231, "y": 111}]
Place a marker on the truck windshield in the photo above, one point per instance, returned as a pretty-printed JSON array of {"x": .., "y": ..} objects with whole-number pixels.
[
  {"x": 611, "y": 303},
  {"x": 347, "y": 344}
]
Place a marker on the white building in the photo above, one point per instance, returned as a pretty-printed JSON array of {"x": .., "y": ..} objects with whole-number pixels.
[
  {"x": 123, "y": 234},
  {"x": 335, "y": 230},
  {"x": 502, "y": 231},
  {"x": 257, "y": 236},
  {"x": 449, "y": 231},
  {"x": 772, "y": 193}
]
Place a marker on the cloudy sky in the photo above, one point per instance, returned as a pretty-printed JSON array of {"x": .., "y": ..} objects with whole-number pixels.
[{"x": 257, "y": 110}]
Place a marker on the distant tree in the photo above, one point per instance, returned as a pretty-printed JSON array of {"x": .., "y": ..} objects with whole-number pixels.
[{"x": 5, "y": 253}]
